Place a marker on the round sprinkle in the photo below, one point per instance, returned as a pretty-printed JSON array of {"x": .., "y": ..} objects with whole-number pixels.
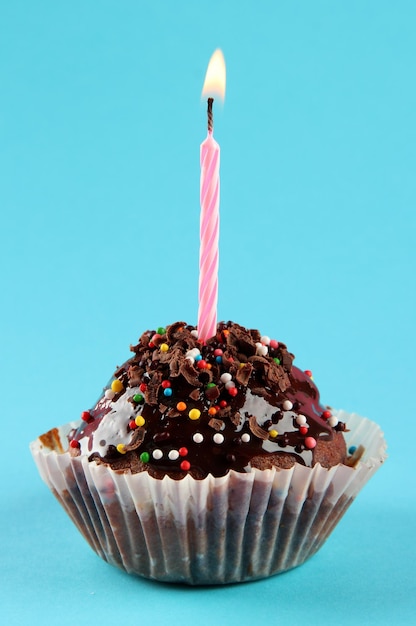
[
  {"x": 117, "y": 386},
  {"x": 194, "y": 333},
  {"x": 276, "y": 360},
  {"x": 352, "y": 449},
  {"x": 218, "y": 438},
  {"x": 310, "y": 442},
  {"x": 165, "y": 384},
  {"x": 164, "y": 347},
  {"x": 308, "y": 373},
  {"x": 194, "y": 352},
  {"x": 265, "y": 340},
  {"x": 212, "y": 410},
  {"x": 155, "y": 337},
  {"x": 121, "y": 448},
  {"x": 181, "y": 406},
  {"x": 274, "y": 344},
  {"x": 145, "y": 457},
  {"x": 233, "y": 391},
  {"x": 185, "y": 465},
  {"x": 157, "y": 454},
  {"x": 74, "y": 443},
  {"x": 226, "y": 377},
  {"x": 211, "y": 385},
  {"x": 109, "y": 394},
  {"x": 161, "y": 330},
  {"x": 230, "y": 384},
  {"x": 326, "y": 415},
  {"x": 333, "y": 421},
  {"x": 218, "y": 359},
  {"x": 201, "y": 364},
  {"x": 223, "y": 404},
  {"x": 140, "y": 421},
  {"x": 86, "y": 416},
  {"x": 273, "y": 433},
  {"x": 183, "y": 451},
  {"x": 303, "y": 430},
  {"x": 142, "y": 387},
  {"x": 197, "y": 357},
  {"x": 198, "y": 438},
  {"x": 287, "y": 405},
  {"x": 173, "y": 455},
  {"x": 218, "y": 352},
  {"x": 167, "y": 392},
  {"x": 194, "y": 414},
  {"x": 261, "y": 350},
  {"x": 190, "y": 359},
  {"x": 301, "y": 420},
  {"x": 245, "y": 437},
  {"x": 138, "y": 398},
  {"x": 132, "y": 424}
]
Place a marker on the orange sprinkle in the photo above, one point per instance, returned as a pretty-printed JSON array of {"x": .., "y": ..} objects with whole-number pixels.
[
  {"x": 181, "y": 406},
  {"x": 212, "y": 411}
]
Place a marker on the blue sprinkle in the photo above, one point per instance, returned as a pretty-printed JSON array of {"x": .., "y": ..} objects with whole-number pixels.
[
  {"x": 167, "y": 392},
  {"x": 198, "y": 357},
  {"x": 352, "y": 449},
  {"x": 218, "y": 359}
]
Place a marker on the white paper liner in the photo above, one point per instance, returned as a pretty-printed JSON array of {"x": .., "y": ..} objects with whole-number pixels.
[{"x": 235, "y": 528}]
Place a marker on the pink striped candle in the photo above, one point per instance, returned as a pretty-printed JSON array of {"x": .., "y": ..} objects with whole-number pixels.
[{"x": 210, "y": 203}]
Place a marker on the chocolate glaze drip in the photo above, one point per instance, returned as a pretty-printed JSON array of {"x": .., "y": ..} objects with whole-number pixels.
[{"x": 235, "y": 426}]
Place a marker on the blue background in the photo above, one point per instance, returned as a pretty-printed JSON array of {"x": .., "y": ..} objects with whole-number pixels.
[{"x": 100, "y": 126}]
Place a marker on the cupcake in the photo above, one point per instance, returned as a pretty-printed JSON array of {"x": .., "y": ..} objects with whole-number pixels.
[{"x": 208, "y": 462}]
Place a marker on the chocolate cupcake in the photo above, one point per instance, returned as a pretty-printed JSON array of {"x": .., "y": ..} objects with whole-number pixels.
[{"x": 208, "y": 462}]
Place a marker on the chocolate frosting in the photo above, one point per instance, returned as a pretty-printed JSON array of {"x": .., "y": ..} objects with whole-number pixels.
[{"x": 182, "y": 406}]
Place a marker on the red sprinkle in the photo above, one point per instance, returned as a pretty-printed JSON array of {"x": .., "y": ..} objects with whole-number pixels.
[
  {"x": 183, "y": 451},
  {"x": 303, "y": 430},
  {"x": 274, "y": 344},
  {"x": 326, "y": 415},
  {"x": 218, "y": 352},
  {"x": 233, "y": 391},
  {"x": 166, "y": 384},
  {"x": 86, "y": 416},
  {"x": 223, "y": 404},
  {"x": 132, "y": 424},
  {"x": 74, "y": 443},
  {"x": 310, "y": 442},
  {"x": 143, "y": 387},
  {"x": 185, "y": 465},
  {"x": 201, "y": 364},
  {"x": 308, "y": 373}
]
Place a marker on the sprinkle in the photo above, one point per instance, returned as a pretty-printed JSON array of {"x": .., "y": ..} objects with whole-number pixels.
[
  {"x": 333, "y": 421},
  {"x": 185, "y": 465},
  {"x": 310, "y": 442},
  {"x": 276, "y": 360},
  {"x": 173, "y": 455},
  {"x": 140, "y": 421},
  {"x": 261, "y": 350},
  {"x": 155, "y": 337},
  {"x": 194, "y": 333},
  {"x": 109, "y": 394},
  {"x": 161, "y": 330},
  {"x": 183, "y": 451},
  {"x": 132, "y": 424},
  {"x": 157, "y": 454},
  {"x": 308, "y": 373},
  {"x": 218, "y": 438},
  {"x": 164, "y": 347},
  {"x": 145, "y": 457},
  {"x": 181, "y": 406},
  {"x": 326, "y": 415},
  {"x": 74, "y": 443},
  {"x": 201, "y": 364},
  {"x": 303, "y": 430},
  {"x": 218, "y": 352},
  {"x": 223, "y": 404},
  {"x": 301, "y": 420},
  {"x": 211, "y": 385},
  {"x": 165, "y": 384},
  {"x": 273, "y": 433},
  {"x": 117, "y": 386},
  {"x": 198, "y": 357},
  {"x": 198, "y": 438},
  {"x": 245, "y": 437},
  {"x": 212, "y": 410},
  {"x": 194, "y": 352},
  {"x": 287, "y": 405},
  {"x": 265, "y": 340},
  {"x": 86, "y": 416},
  {"x": 142, "y": 387},
  {"x": 226, "y": 377},
  {"x": 233, "y": 391},
  {"x": 190, "y": 359},
  {"x": 218, "y": 359},
  {"x": 138, "y": 398},
  {"x": 274, "y": 344},
  {"x": 229, "y": 384},
  {"x": 121, "y": 448},
  {"x": 167, "y": 392},
  {"x": 352, "y": 449},
  {"x": 194, "y": 414}
]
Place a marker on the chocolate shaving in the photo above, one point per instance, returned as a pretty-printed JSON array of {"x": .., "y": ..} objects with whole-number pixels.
[
  {"x": 243, "y": 374},
  {"x": 135, "y": 374},
  {"x": 212, "y": 393},
  {"x": 189, "y": 373},
  {"x": 216, "y": 424},
  {"x": 194, "y": 395},
  {"x": 256, "y": 429},
  {"x": 137, "y": 439},
  {"x": 235, "y": 418}
]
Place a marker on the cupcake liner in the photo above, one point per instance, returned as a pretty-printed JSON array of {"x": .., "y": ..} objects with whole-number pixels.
[{"x": 234, "y": 528}]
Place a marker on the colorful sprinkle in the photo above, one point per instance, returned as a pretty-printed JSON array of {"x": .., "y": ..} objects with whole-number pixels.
[
  {"x": 212, "y": 410},
  {"x": 308, "y": 373},
  {"x": 167, "y": 392},
  {"x": 310, "y": 442},
  {"x": 181, "y": 406},
  {"x": 218, "y": 438},
  {"x": 132, "y": 424},
  {"x": 198, "y": 438},
  {"x": 185, "y": 465},
  {"x": 326, "y": 415},
  {"x": 145, "y": 457},
  {"x": 121, "y": 448},
  {"x": 86, "y": 416},
  {"x": 173, "y": 455},
  {"x": 223, "y": 404},
  {"x": 165, "y": 384},
  {"x": 218, "y": 352},
  {"x": 276, "y": 360},
  {"x": 201, "y": 364},
  {"x": 183, "y": 451},
  {"x": 274, "y": 344},
  {"x": 161, "y": 330},
  {"x": 273, "y": 433},
  {"x": 140, "y": 421},
  {"x": 303, "y": 430},
  {"x": 138, "y": 398},
  {"x": 142, "y": 387},
  {"x": 117, "y": 386},
  {"x": 352, "y": 449},
  {"x": 74, "y": 443},
  {"x": 194, "y": 414},
  {"x": 164, "y": 347},
  {"x": 233, "y": 391},
  {"x": 218, "y": 359},
  {"x": 157, "y": 454}
]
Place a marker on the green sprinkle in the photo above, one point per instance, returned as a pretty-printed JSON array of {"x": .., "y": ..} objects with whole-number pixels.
[
  {"x": 144, "y": 457},
  {"x": 138, "y": 398},
  {"x": 276, "y": 360},
  {"x": 161, "y": 330},
  {"x": 211, "y": 385}
]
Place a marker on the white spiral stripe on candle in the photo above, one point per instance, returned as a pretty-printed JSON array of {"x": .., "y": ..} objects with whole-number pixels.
[{"x": 209, "y": 228}]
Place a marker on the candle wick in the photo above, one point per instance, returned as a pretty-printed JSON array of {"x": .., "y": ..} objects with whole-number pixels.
[{"x": 210, "y": 115}]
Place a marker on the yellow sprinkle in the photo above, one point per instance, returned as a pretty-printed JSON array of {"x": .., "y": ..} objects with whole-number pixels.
[
  {"x": 164, "y": 347},
  {"x": 273, "y": 433},
  {"x": 194, "y": 414},
  {"x": 140, "y": 420},
  {"x": 121, "y": 448},
  {"x": 117, "y": 385}
]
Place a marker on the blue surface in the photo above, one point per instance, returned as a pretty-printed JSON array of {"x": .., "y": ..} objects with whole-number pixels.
[{"x": 100, "y": 126}]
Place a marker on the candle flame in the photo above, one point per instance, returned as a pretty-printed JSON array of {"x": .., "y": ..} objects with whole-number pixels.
[{"x": 214, "y": 85}]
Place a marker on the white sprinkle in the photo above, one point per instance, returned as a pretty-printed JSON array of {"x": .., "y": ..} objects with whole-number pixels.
[
  {"x": 157, "y": 454},
  {"x": 173, "y": 455},
  {"x": 265, "y": 340},
  {"x": 190, "y": 359},
  {"x": 195, "y": 351},
  {"x": 230, "y": 384},
  {"x": 287, "y": 405},
  {"x": 194, "y": 333},
  {"x": 218, "y": 438},
  {"x": 333, "y": 421},
  {"x": 245, "y": 437},
  {"x": 198, "y": 438},
  {"x": 301, "y": 420},
  {"x": 109, "y": 394},
  {"x": 225, "y": 378},
  {"x": 261, "y": 350}
]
